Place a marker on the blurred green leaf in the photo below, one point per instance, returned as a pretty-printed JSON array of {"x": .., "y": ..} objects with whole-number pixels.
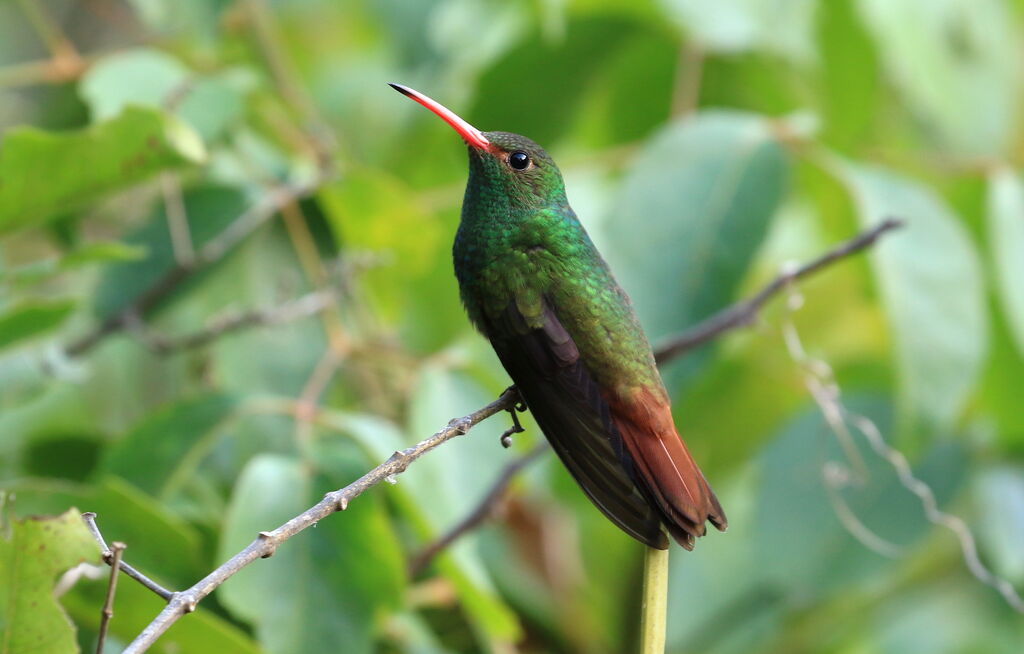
[
  {"x": 942, "y": 617},
  {"x": 36, "y": 551},
  {"x": 701, "y": 193},
  {"x": 999, "y": 495},
  {"x": 1006, "y": 242},
  {"x": 45, "y": 173},
  {"x": 324, "y": 585},
  {"x": 208, "y": 209},
  {"x": 30, "y": 318},
  {"x": 931, "y": 282},
  {"x": 148, "y": 77},
  {"x": 413, "y": 285},
  {"x": 154, "y": 453},
  {"x": 805, "y": 547},
  {"x": 849, "y": 75},
  {"x": 955, "y": 63},
  {"x": 431, "y": 495},
  {"x": 135, "y": 607},
  {"x": 95, "y": 252},
  {"x": 556, "y": 74},
  {"x": 739, "y": 25},
  {"x": 70, "y": 456}
]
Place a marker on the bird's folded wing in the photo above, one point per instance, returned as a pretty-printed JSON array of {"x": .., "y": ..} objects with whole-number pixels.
[{"x": 567, "y": 403}]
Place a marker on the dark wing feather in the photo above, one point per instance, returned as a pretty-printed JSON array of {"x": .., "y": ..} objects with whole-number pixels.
[{"x": 568, "y": 405}]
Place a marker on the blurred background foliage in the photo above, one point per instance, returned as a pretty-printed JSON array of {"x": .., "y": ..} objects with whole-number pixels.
[{"x": 167, "y": 168}]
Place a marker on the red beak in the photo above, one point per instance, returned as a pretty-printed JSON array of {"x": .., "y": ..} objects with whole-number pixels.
[{"x": 470, "y": 134}]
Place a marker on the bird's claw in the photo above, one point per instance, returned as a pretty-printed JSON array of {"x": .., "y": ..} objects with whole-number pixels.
[{"x": 516, "y": 428}]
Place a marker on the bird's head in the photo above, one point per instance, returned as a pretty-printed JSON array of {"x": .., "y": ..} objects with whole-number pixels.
[{"x": 509, "y": 167}]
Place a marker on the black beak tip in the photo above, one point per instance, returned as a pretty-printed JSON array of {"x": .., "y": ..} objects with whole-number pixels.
[{"x": 404, "y": 90}]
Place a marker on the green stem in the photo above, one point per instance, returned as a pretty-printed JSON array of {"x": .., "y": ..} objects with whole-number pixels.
[{"x": 653, "y": 611}]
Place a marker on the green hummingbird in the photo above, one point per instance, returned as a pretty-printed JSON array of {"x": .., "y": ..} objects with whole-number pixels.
[{"x": 536, "y": 287}]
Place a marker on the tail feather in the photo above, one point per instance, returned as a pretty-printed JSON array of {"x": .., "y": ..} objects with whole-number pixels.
[{"x": 666, "y": 471}]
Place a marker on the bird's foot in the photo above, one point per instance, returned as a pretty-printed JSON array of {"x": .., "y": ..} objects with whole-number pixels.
[{"x": 516, "y": 428}]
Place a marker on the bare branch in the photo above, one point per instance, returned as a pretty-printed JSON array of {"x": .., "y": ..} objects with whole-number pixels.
[
  {"x": 744, "y": 313},
  {"x": 479, "y": 513},
  {"x": 267, "y": 541},
  {"x": 108, "y": 604},
  {"x": 108, "y": 557},
  {"x": 209, "y": 253}
]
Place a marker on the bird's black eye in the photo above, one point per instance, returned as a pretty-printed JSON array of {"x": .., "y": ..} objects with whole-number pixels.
[{"x": 519, "y": 160}]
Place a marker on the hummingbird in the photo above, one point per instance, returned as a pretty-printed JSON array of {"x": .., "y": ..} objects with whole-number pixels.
[{"x": 535, "y": 286}]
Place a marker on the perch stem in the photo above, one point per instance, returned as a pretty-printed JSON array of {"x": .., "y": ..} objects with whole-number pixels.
[{"x": 653, "y": 610}]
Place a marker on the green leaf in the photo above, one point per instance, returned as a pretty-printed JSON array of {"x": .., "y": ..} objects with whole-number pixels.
[
  {"x": 414, "y": 285},
  {"x": 30, "y": 318},
  {"x": 803, "y": 546},
  {"x": 209, "y": 103},
  {"x": 1006, "y": 241},
  {"x": 136, "y": 606},
  {"x": 693, "y": 209},
  {"x": 102, "y": 252},
  {"x": 322, "y": 586},
  {"x": 740, "y": 25},
  {"x": 931, "y": 283},
  {"x": 429, "y": 493},
  {"x": 45, "y": 173},
  {"x": 96, "y": 252},
  {"x": 850, "y": 90},
  {"x": 557, "y": 72},
  {"x": 956, "y": 67},
  {"x": 999, "y": 496},
  {"x": 156, "y": 453},
  {"x": 31, "y": 558},
  {"x": 701, "y": 194},
  {"x": 167, "y": 547},
  {"x": 208, "y": 209}
]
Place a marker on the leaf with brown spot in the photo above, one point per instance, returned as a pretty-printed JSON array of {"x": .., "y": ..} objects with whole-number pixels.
[{"x": 37, "y": 551}]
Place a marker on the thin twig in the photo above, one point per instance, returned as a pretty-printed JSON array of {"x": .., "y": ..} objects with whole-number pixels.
[
  {"x": 317, "y": 135},
  {"x": 177, "y": 219},
  {"x": 306, "y": 405},
  {"x": 689, "y": 70},
  {"x": 117, "y": 549},
  {"x": 745, "y": 312},
  {"x": 480, "y": 512},
  {"x": 821, "y": 382},
  {"x": 65, "y": 55},
  {"x": 296, "y": 309},
  {"x": 267, "y": 541},
  {"x": 316, "y": 273},
  {"x": 108, "y": 557},
  {"x": 212, "y": 251},
  {"x": 264, "y": 546}
]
